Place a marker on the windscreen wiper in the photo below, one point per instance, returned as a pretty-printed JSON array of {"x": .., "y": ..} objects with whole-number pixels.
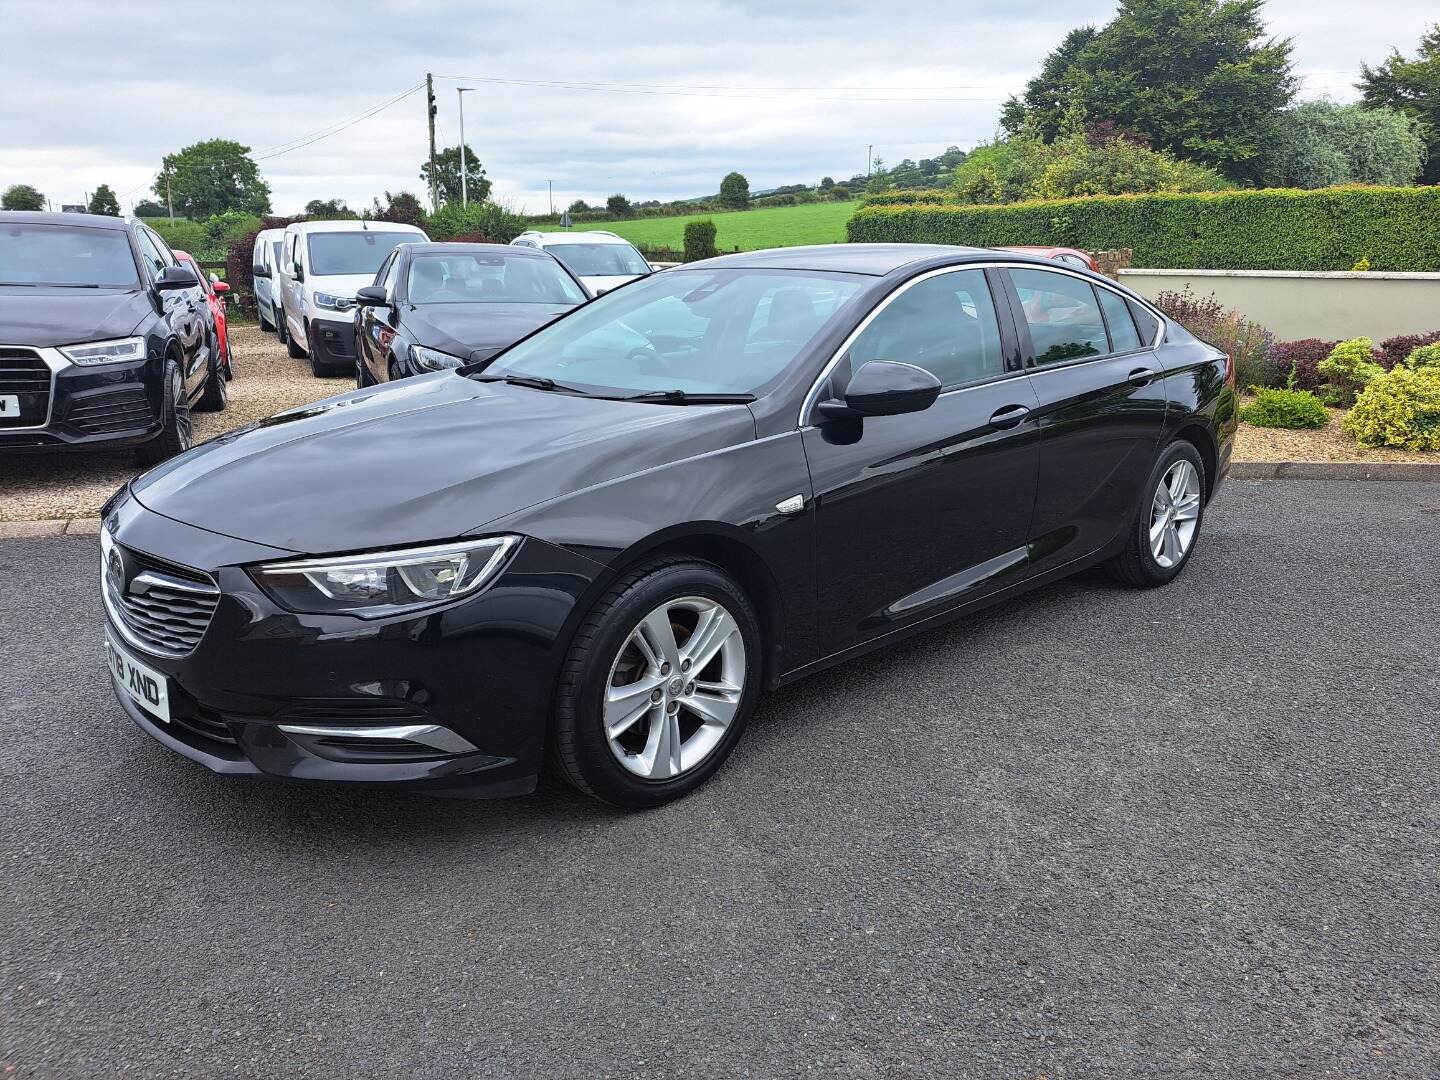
[
  {"x": 685, "y": 397},
  {"x": 534, "y": 382}
]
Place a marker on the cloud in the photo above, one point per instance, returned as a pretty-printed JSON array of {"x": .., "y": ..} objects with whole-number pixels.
[{"x": 99, "y": 92}]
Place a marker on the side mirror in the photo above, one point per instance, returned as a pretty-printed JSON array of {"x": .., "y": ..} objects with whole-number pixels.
[
  {"x": 297, "y": 271},
  {"x": 371, "y": 296},
  {"x": 259, "y": 272},
  {"x": 177, "y": 277},
  {"x": 219, "y": 286},
  {"x": 884, "y": 388}
]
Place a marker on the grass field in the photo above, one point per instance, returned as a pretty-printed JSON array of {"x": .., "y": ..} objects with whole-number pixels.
[{"x": 749, "y": 230}]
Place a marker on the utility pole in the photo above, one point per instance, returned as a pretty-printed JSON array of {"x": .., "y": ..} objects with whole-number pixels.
[
  {"x": 550, "y": 184},
  {"x": 460, "y": 92},
  {"x": 169, "y": 202},
  {"x": 869, "y": 159},
  {"x": 430, "y": 111}
]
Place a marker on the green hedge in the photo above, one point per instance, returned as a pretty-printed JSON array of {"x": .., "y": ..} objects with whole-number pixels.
[{"x": 1398, "y": 229}]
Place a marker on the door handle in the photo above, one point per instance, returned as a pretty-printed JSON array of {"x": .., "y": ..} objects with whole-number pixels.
[
  {"x": 1009, "y": 416},
  {"x": 1141, "y": 376}
]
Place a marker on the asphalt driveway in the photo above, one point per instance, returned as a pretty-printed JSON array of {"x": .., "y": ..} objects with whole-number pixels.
[{"x": 1094, "y": 832}]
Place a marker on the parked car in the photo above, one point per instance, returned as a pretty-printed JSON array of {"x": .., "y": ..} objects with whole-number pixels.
[
  {"x": 265, "y": 278},
  {"x": 602, "y": 260},
  {"x": 215, "y": 291},
  {"x": 1065, "y": 256},
  {"x": 437, "y": 306},
  {"x": 321, "y": 266},
  {"x": 605, "y": 543},
  {"x": 104, "y": 338}
]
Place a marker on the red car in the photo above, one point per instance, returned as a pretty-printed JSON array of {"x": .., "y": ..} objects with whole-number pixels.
[
  {"x": 215, "y": 291},
  {"x": 1066, "y": 256}
]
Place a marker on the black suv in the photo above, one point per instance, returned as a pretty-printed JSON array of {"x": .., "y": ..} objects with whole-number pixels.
[{"x": 103, "y": 339}]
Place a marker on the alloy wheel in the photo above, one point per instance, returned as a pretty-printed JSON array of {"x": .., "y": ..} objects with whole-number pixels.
[
  {"x": 184, "y": 423},
  {"x": 674, "y": 688},
  {"x": 1174, "y": 513}
]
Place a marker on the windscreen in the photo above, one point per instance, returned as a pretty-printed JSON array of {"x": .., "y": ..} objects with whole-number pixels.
[
  {"x": 359, "y": 252},
  {"x": 500, "y": 278},
  {"x": 704, "y": 332},
  {"x": 600, "y": 260},
  {"x": 66, "y": 255}
]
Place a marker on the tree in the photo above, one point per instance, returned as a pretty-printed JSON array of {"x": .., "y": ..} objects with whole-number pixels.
[
  {"x": 104, "y": 202},
  {"x": 328, "y": 209},
  {"x": 149, "y": 208},
  {"x": 579, "y": 206},
  {"x": 1413, "y": 88},
  {"x": 447, "y": 172},
  {"x": 1320, "y": 144},
  {"x": 402, "y": 208},
  {"x": 1198, "y": 78},
  {"x": 618, "y": 205},
  {"x": 22, "y": 197},
  {"x": 734, "y": 192},
  {"x": 211, "y": 177}
]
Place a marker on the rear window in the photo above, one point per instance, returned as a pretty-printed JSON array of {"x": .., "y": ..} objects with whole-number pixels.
[
  {"x": 66, "y": 255},
  {"x": 1146, "y": 322},
  {"x": 600, "y": 260},
  {"x": 359, "y": 252},
  {"x": 490, "y": 279}
]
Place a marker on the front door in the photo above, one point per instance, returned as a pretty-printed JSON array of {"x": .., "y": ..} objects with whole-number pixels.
[
  {"x": 1102, "y": 409},
  {"x": 918, "y": 513}
]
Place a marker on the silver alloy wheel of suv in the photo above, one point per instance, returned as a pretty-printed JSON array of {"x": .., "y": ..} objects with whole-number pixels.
[{"x": 674, "y": 688}]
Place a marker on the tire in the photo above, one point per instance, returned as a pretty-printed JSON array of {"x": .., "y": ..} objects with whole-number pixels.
[
  {"x": 293, "y": 347},
  {"x": 362, "y": 374},
  {"x": 1140, "y": 565},
  {"x": 176, "y": 432},
  {"x": 265, "y": 323},
  {"x": 216, "y": 393},
  {"x": 633, "y": 771},
  {"x": 278, "y": 314},
  {"x": 392, "y": 373}
]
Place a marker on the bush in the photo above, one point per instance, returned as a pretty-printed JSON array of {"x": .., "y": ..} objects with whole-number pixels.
[
  {"x": 1400, "y": 408},
  {"x": 699, "y": 240},
  {"x": 1348, "y": 369},
  {"x": 1248, "y": 343},
  {"x": 1285, "y": 409},
  {"x": 186, "y": 235},
  {"x": 1283, "y": 229},
  {"x": 486, "y": 222},
  {"x": 1423, "y": 356},
  {"x": 1395, "y": 350},
  {"x": 1298, "y": 362}
]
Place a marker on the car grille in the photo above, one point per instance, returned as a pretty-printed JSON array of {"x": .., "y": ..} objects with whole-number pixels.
[
  {"x": 28, "y": 377},
  {"x": 159, "y": 607},
  {"x": 121, "y": 409}
]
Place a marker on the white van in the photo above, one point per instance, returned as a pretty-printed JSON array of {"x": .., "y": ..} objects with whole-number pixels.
[
  {"x": 265, "y": 277},
  {"x": 321, "y": 266},
  {"x": 601, "y": 260}
]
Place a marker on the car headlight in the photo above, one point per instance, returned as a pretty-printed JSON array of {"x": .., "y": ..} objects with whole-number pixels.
[
  {"x": 386, "y": 582},
  {"x": 118, "y": 351},
  {"x": 434, "y": 359},
  {"x": 333, "y": 303}
]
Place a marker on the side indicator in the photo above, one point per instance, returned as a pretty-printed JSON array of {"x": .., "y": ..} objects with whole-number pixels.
[{"x": 792, "y": 505}]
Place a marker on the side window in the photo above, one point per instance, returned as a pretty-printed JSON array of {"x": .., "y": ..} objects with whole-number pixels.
[
  {"x": 166, "y": 255},
  {"x": 945, "y": 325},
  {"x": 150, "y": 253},
  {"x": 1147, "y": 323},
  {"x": 1123, "y": 337},
  {"x": 384, "y": 271},
  {"x": 1062, "y": 314},
  {"x": 257, "y": 257},
  {"x": 392, "y": 275}
]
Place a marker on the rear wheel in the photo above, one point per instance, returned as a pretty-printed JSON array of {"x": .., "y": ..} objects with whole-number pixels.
[
  {"x": 658, "y": 685},
  {"x": 177, "y": 431},
  {"x": 1167, "y": 527},
  {"x": 216, "y": 394}
]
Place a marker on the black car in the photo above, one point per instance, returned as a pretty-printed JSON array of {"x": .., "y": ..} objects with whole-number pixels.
[
  {"x": 437, "y": 306},
  {"x": 103, "y": 338},
  {"x": 605, "y": 543}
]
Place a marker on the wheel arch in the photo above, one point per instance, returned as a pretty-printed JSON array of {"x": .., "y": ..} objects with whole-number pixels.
[{"x": 1204, "y": 441}]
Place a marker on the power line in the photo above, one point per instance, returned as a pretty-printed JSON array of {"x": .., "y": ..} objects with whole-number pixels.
[
  {"x": 302, "y": 141},
  {"x": 740, "y": 94}
]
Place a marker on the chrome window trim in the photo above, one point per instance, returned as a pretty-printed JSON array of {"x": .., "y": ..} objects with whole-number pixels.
[
  {"x": 808, "y": 404},
  {"x": 53, "y": 359}
]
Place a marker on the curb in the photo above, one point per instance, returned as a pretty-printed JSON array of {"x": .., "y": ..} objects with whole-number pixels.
[
  {"x": 1239, "y": 470},
  {"x": 1335, "y": 470}
]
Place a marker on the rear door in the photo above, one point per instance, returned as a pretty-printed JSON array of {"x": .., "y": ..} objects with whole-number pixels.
[
  {"x": 1101, "y": 409},
  {"x": 918, "y": 513}
]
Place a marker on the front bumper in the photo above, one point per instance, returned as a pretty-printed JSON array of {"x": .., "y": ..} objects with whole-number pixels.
[
  {"x": 66, "y": 406},
  {"x": 332, "y": 342},
  {"x": 270, "y": 692}
]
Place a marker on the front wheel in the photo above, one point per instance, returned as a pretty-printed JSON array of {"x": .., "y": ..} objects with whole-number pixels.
[
  {"x": 1165, "y": 532},
  {"x": 177, "y": 431},
  {"x": 293, "y": 347},
  {"x": 658, "y": 685}
]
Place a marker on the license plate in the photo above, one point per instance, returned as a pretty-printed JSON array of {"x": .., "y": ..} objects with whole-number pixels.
[
  {"x": 147, "y": 687},
  {"x": 9, "y": 407}
]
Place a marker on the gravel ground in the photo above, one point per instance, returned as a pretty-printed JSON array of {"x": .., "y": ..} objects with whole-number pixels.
[
  {"x": 1091, "y": 833},
  {"x": 266, "y": 381},
  {"x": 1329, "y": 443}
]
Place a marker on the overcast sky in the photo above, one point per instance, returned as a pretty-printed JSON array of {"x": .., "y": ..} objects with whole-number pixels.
[{"x": 785, "y": 91}]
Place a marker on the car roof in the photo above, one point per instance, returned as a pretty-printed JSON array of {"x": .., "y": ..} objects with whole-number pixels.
[
  {"x": 41, "y": 217},
  {"x": 351, "y": 225},
  {"x": 585, "y": 236},
  {"x": 440, "y": 247},
  {"x": 874, "y": 259},
  {"x": 265, "y": 234}
]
